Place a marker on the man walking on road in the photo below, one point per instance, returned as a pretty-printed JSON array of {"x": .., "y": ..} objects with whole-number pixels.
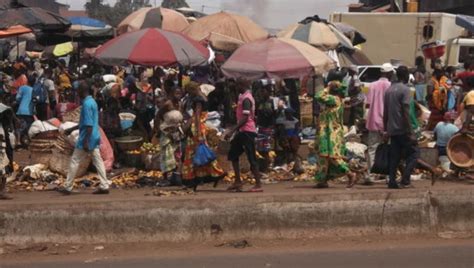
[
  {"x": 375, "y": 106},
  {"x": 88, "y": 142},
  {"x": 244, "y": 139},
  {"x": 398, "y": 127}
]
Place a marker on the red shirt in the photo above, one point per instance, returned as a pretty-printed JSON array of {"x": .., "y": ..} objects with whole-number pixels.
[
  {"x": 22, "y": 80},
  {"x": 463, "y": 76}
]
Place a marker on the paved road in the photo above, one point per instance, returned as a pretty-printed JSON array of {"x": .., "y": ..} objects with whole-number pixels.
[{"x": 432, "y": 257}]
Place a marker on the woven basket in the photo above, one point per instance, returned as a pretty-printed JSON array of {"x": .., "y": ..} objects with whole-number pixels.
[
  {"x": 62, "y": 145},
  {"x": 47, "y": 135},
  {"x": 306, "y": 107},
  {"x": 307, "y": 121},
  {"x": 59, "y": 163},
  {"x": 461, "y": 150},
  {"x": 73, "y": 116}
]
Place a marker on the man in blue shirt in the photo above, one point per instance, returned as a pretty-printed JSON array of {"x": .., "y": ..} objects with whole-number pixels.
[
  {"x": 25, "y": 106},
  {"x": 444, "y": 131},
  {"x": 88, "y": 142}
]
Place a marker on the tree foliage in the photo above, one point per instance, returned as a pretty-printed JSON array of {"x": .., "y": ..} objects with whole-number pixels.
[
  {"x": 113, "y": 15},
  {"x": 174, "y": 4}
]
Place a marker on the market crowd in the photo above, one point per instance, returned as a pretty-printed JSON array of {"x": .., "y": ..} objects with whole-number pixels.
[{"x": 180, "y": 109}]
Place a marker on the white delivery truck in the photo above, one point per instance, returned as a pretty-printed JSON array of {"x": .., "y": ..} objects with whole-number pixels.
[{"x": 399, "y": 36}]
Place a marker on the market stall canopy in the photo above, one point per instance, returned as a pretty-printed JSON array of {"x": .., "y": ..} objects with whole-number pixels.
[
  {"x": 34, "y": 18},
  {"x": 189, "y": 12},
  {"x": 318, "y": 34},
  {"x": 88, "y": 32},
  {"x": 19, "y": 50},
  {"x": 51, "y": 39},
  {"x": 148, "y": 17},
  {"x": 352, "y": 33},
  {"x": 223, "y": 42},
  {"x": 277, "y": 58},
  {"x": 14, "y": 31},
  {"x": 234, "y": 26},
  {"x": 59, "y": 50},
  {"x": 355, "y": 57},
  {"x": 85, "y": 29},
  {"x": 467, "y": 22},
  {"x": 153, "y": 47}
]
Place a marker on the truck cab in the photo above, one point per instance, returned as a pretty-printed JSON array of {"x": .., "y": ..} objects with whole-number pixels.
[{"x": 459, "y": 49}]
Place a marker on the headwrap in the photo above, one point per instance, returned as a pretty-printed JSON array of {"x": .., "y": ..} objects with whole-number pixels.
[
  {"x": 192, "y": 87},
  {"x": 337, "y": 87}
]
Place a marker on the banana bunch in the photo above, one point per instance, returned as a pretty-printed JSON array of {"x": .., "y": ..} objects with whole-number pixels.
[
  {"x": 150, "y": 148},
  {"x": 126, "y": 180},
  {"x": 134, "y": 152}
]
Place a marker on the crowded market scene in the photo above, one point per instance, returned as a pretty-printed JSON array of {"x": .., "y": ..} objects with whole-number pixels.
[
  {"x": 174, "y": 99},
  {"x": 236, "y": 133}
]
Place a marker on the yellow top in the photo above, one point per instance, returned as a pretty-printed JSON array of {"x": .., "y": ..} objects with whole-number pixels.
[
  {"x": 64, "y": 81},
  {"x": 469, "y": 99}
]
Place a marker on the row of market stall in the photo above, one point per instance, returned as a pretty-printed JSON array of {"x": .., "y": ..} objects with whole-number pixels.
[{"x": 165, "y": 37}]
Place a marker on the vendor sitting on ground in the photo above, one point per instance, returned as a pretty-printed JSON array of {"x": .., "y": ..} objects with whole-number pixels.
[{"x": 444, "y": 131}]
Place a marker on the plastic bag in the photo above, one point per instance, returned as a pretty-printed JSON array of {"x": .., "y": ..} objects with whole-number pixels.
[
  {"x": 106, "y": 151},
  {"x": 203, "y": 156},
  {"x": 381, "y": 162}
]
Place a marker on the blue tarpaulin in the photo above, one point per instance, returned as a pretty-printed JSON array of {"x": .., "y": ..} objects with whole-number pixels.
[
  {"x": 466, "y": 22},
  {"x": 87, "y": 22}
]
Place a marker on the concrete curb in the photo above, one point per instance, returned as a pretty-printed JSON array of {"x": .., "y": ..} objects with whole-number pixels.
[{"x": 287, "y": 216}]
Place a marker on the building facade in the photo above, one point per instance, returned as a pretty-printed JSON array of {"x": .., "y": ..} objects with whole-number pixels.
[{"x": 465, "y": 7}]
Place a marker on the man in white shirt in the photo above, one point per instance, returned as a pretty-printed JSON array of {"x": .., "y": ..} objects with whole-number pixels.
[{"x": 375, "y": 105}]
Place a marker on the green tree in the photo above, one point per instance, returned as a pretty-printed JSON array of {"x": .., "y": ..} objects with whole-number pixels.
[{"x": 174, "y": 4}]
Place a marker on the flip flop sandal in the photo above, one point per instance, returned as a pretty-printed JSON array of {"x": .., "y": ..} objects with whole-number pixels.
[
  {"x": 256, "y": 190},
  {"x": 5, "y": 197},
  {"x": 235, "y": 188}
]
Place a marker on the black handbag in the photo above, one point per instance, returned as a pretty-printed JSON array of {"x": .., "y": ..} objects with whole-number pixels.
[{"x": 381, "y": 163}]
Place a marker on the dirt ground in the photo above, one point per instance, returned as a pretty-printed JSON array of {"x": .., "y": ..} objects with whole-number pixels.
[{"x": 40, "y": 253}]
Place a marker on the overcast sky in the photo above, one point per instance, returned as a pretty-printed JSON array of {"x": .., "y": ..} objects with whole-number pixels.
[{"x": 274, "y": 14}]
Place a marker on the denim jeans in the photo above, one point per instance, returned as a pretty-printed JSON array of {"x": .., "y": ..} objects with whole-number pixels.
[{"x": 402, "y": 145}]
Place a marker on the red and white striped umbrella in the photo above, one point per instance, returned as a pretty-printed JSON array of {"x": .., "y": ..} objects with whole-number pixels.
[
  {"x": 153, "y": 47},
  {"x": 277, "y": 58}
]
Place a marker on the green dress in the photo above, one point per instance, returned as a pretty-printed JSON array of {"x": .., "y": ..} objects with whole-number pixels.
[{"x": 330, "y": 141}]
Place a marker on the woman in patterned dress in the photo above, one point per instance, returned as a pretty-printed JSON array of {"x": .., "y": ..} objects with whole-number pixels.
[
  {"x": 212, "y": 172},
  {"x": 330, "y": 141}
]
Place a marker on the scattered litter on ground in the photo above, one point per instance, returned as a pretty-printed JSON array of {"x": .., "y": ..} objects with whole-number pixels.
[
  {"x": 97, "y": 248},
  {"x": 164, "y": 193},
  {"x": 34, "y": 248},
  {"x": 240, "y": 244},
  {"x": 455, "y": 235}
]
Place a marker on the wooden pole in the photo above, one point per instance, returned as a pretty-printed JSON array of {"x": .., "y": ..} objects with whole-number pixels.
[
  {"x": 17, "y": 47},
  {"x": 312, "y": 100}
]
